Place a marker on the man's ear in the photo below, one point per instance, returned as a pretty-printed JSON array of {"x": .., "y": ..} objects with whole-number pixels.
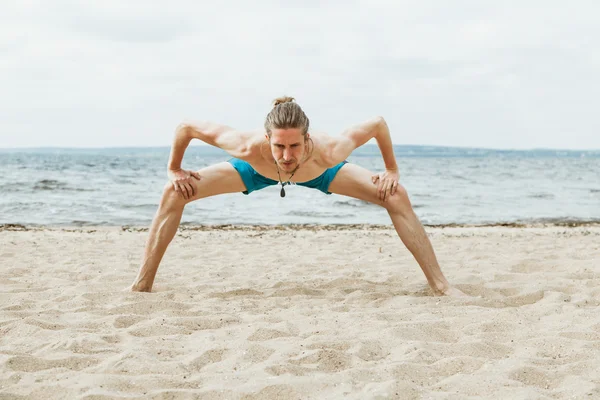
[{"x": 267, "y": 137}]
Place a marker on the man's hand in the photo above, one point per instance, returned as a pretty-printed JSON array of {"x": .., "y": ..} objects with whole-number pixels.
[
  {"x": 387, "y": 183},
  {"x": 183, "y": 182}
]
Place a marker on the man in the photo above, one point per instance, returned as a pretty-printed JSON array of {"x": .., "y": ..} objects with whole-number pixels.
[{"x": 285, "y": 152}]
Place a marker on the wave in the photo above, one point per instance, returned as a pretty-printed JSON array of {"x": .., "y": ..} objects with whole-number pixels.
[
  {"x": 49, "y": 184},
  {"x": 351, "y": 203},
  {"x": 317, "y": 214},
  {"x": 87, "y": 223},
  {"x": 54, "y": 185},
  {"x": 361, "y": 203},
  {"x": 141, "y": 206}
]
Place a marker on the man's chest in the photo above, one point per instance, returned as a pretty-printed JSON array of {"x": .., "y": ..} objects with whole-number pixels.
[{"x": 305, "y": 172}]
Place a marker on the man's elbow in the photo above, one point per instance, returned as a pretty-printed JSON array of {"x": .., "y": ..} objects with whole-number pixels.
[
  {"x": 184, "y": 129},
  {"x": 380, "y": 121},
  {"x": 381, "y": 127},
  {"x": 189, "y": 130}
]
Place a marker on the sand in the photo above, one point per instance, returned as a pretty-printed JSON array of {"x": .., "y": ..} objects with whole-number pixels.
[{"x": 300, "y": 314}]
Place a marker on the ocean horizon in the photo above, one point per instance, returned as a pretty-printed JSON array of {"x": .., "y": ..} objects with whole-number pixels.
[{"x": 595, "y": 152}]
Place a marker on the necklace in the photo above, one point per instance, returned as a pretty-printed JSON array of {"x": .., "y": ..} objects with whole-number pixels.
[{"x": 282, "y": 193}]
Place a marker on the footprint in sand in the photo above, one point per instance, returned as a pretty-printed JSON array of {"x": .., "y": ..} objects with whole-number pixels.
[
  {"x": 294, "y": 370},
  {"x": 83, "y": 346},
  {"x": 500, "y": 297},
  {"x": 536, "y": 377},
  {"x": 528, "y": 267},
  {"x": 340, "y": 346},
  {"x": 372, "y": 351},
  {"x": 208, "y": 357},
  {"x": 44, "y": 324},
  {"x": 126, "y": 321},
  {"x": 263, "y": 334},
  {"x": 274, "y": 392},
  {"x": 256, "y": 353},
  {"x": 112, "y": 339},
  {"x": 34, "y": 364},
  {"x": 18, "y": 307},
  {"x": 325, "y": 360},
  {"x": 298, "y": 291},
  {"x": 524, "y": 299}
]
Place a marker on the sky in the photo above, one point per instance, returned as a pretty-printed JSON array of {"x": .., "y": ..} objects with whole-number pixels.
[{"x": 468, "y": 73}]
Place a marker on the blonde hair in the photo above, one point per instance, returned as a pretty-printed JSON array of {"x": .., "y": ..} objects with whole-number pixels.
[{"x": 286, "y": 114}]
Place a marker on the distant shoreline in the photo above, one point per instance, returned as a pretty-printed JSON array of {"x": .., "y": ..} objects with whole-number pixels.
[{"x": 368, "y": 146}]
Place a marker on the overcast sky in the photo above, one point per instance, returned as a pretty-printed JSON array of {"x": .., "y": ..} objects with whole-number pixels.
[{"x": 501, "y": 74}]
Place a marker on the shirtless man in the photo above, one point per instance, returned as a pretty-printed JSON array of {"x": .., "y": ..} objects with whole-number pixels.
[{"x": 281, "y": 153}]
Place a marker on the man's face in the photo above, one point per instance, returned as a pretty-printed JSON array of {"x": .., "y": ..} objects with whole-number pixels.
[{"x": 287, "y": 147}]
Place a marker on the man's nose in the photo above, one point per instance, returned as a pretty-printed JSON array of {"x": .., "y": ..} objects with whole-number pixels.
[{"x": 287, "y": 154}]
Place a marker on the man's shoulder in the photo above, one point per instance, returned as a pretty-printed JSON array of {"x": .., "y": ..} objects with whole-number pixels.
[
  {"x": 324, "y": 149},
  {"x": 256, "y": 144}
]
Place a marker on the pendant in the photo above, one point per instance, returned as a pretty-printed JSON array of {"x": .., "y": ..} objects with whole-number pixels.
[{"x": 282, "y": 193}]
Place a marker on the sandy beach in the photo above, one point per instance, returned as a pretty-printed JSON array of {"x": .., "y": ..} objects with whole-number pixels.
[{"x": 307, "y": 313}]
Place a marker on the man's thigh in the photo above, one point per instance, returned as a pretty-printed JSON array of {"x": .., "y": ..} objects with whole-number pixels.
[
  {"x": 355, "y": 181},
  {"x": 218, "y": 179}
]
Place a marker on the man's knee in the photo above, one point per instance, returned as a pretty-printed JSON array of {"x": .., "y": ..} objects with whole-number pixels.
[
  {"x": 399, "y": 201},
  {"x": 171, "y": 197}
]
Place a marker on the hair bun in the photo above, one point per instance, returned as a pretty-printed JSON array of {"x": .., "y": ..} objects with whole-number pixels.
[{"x": 281, "y": 100}]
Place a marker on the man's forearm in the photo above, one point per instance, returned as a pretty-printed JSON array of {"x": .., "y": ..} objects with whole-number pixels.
[
  {"x": 180, "y": 142},
  {"x": 384, "y": 141}
]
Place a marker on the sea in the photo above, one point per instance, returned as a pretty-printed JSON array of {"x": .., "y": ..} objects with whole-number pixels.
[{"x": 446, "y": 185}]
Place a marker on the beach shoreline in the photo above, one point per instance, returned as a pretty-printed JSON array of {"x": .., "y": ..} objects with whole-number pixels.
[{"x": 566, "y": 223}]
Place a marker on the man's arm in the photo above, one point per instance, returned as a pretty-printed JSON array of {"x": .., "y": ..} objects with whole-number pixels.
[
  {"x": 358, "y": 135},
  {"x": 237, "y": 144}
]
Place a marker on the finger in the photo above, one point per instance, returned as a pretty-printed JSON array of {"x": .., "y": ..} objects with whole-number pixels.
[
  {"x": 196, "y": 175},
  {"x": 394, "y": 186},
  {"x": 186, "y": 188},
  {"x": 374, "y": 178},
  {"x": 193, "y": 188},
  {"x": 386, "y": 188},
  {"x": 380, "y": 188},
  {"x": 182, "y": 189}
]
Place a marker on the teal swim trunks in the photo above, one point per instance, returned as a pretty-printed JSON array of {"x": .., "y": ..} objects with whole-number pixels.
[{"x": 255, "y": 181}]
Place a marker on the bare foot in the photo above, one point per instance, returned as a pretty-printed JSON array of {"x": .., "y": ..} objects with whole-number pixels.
[
  {"x": 451, "y": 292},
  {"x": 139, "y": 288}
]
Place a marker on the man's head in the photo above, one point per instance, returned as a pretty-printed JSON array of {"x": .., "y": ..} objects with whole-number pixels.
[{"x": 287, "y": 133}]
